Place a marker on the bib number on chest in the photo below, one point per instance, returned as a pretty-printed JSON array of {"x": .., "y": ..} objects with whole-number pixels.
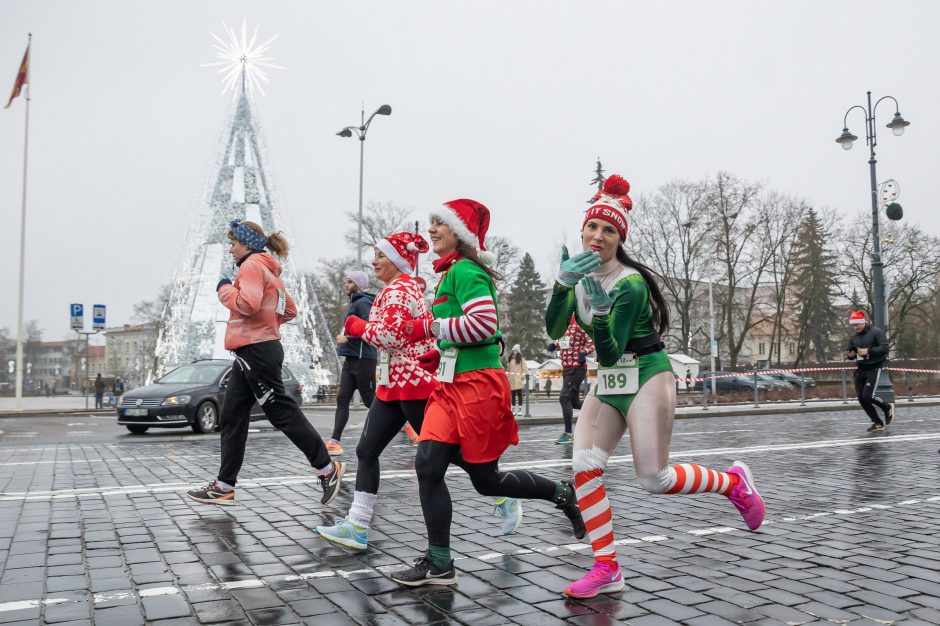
[
  {"x": 621, "y": 379},
  {"x": 445, "y": 371},
  {"x": 281, "y": 302},
  {"x": 383, "y": 368},
  {"x": 564, "y": 343}
]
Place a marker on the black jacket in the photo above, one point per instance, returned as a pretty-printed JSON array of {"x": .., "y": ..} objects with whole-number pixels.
[
  {"x": 872, "y": 338},
  {"x": 360, "y": 303}
]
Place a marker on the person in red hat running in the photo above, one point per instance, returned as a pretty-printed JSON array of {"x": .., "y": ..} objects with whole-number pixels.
[
  {"x": 470, "y": 411},
  {"x": 617, "y": 301},
  {"x": 869, "y": 349}
]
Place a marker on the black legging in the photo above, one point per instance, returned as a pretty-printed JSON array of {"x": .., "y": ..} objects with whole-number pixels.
[
  {"x": 866, "y": 382},
  {"x": 431, "y": 465},
  {"x": 384, "y": 421},
  {"x": 255, "y": 375},
  {"x": 517, "y": 397},
  {"x": 570, "y": 395},
  {"x": 357, "y": 374}
]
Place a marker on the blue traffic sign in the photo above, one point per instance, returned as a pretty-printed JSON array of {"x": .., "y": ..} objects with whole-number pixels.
[
  {"x": 77, "y": 313},
  {"x": 98, "y": 317}
]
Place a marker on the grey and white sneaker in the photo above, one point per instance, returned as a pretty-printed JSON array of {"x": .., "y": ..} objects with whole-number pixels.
[
  {"x": 332, "y": 483},
  {"x": 424, "y": 572},
  {"x": 889, "y": 414}
]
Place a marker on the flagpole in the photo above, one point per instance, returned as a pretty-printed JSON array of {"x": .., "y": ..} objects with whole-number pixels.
[{"x": 19, "y": 314}]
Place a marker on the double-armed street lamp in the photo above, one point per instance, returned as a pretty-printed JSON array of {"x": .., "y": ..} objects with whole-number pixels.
[
  {"x": 846, "y": 140},
  {"x": 712, "y": 344},
  {"x": 360, "y": 132}
]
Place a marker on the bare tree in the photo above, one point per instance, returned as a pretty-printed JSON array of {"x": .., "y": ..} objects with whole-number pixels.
[
  {"x": 327, "y": 282},
  {"x": 734, "y": 208},
  {"x": 911, "y": 263},
  {"x": 379, "y": 219},
  {"x": 671, "y": 237},
  {"x": 152, "y": 310}
]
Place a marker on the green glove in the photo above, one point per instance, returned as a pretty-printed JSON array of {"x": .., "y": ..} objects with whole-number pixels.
[
  {"x": 577, "y": 267},
  {"x": 598, "y": 299}
]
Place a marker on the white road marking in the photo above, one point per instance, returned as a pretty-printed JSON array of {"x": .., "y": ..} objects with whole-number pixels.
[
  {"x": 275, "y": 481},
  {"x": 77, "y": 424},
  {"x": 79, "y": 432},
  {"x": 71, "y": 461},
  {"x": 251, "y": 583}
]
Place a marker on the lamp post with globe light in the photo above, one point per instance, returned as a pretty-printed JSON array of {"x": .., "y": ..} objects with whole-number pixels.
[
  {"x": 846, "y": 140},
  {"x": 361, "y": 131}
]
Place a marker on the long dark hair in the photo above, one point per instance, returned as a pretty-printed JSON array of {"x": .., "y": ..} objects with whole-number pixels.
[
  {"x": 470, "y": 253},
  {"x": 660, "y": 310},
  {"x": 517, "y": 358}
]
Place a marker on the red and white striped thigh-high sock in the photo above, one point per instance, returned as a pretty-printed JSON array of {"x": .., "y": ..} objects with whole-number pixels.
[{"x": 592, "y": 500}]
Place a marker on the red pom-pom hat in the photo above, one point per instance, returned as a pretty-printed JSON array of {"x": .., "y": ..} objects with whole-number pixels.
[
  {"x": 612, "y": 204},
  {"x": 403, "y": 249}
]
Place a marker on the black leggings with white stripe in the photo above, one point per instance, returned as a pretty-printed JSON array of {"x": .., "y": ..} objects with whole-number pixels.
[{"x": 866, "y": 383}]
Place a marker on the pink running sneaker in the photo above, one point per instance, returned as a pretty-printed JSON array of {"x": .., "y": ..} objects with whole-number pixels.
[
  {"x": 745, "y": 497},
  {"x": 605, "y": 577}
]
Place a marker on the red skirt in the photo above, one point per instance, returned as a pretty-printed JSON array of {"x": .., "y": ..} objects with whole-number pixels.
[{"x": 475, "y": 412}]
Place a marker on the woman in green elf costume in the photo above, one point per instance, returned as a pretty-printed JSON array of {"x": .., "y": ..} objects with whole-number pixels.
[{"x": 617, "y": 301}]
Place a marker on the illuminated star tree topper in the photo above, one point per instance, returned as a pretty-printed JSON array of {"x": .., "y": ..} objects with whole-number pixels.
[{"x": 241, "y": 58}]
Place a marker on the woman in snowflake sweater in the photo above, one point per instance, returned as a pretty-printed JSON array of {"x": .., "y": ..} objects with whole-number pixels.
[
  {"x": 617, "y": 301},
  {"x": 469, "y": 412},
  {"x": 403, "y": 385}
]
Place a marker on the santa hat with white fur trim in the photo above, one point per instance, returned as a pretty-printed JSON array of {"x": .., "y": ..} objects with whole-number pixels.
[
  {"x": 857, "y": 317},
  {"x": 403, "y": 249},
  {"x": 469, "y": 221}
]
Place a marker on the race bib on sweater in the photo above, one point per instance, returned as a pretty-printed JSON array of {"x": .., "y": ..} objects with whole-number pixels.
[
  {"x": 382, "y": 372},
  {"x": 281, "y": 302},
  {"x": 564, "y": 343}
]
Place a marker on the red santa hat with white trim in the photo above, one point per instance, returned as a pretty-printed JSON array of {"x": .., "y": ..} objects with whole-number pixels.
[
  {"x": 403, "y": 249},
  {"x": 612, "y": 204},
  {"x": 469, "y": 220},
  {"x": 857, "y": 317}
]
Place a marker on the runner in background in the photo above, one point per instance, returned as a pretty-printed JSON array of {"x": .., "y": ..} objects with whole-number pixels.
[
  {"x": 573, "y": 348},
  {"x": 869, "y": 349}
]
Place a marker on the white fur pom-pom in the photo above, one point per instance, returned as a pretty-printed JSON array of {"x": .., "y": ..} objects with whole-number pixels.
[
  {"x": 488, "y": 258},
  {"x": 411, "y": 246}
]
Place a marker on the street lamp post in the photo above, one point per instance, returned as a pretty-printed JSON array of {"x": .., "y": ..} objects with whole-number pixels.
[
  {"x": 846, "y": 139},
  {"x": 361, "y": 131}
]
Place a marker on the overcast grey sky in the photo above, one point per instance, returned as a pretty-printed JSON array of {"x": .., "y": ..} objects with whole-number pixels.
[{"x": 505, "y": 102}]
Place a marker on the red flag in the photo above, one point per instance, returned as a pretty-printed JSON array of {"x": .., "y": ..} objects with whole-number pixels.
[{"x": 21, "y": 78}]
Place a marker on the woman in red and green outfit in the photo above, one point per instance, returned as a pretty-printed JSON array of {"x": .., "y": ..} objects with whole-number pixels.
[
  {"x": 470, "y": 412},
  {"x": 617, "y": 301}
]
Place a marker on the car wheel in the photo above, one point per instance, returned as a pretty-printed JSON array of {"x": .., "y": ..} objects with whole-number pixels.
[
  {"x": 138, "y": 430},
  {"x": 207, "y": 418}
]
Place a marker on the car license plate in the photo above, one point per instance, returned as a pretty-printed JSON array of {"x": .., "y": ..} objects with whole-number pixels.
[{"x": 135, "y": 412}]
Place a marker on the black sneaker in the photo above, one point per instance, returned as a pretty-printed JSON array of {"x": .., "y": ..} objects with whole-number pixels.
[
  {"x": 332, "y": 482},
  {"x": 889, "y": 414},
  {"x": 424, "y": 572},
  {"x": 573, "y": 513},
  {"x": 212, "y": 494},
  {"x": 876, "y": 428}
]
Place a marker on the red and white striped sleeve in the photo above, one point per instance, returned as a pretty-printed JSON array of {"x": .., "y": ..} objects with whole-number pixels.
[{"x": 479, "y": 322}]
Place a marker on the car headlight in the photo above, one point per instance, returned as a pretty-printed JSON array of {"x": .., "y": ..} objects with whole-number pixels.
[{"x": 176, "y": 400}]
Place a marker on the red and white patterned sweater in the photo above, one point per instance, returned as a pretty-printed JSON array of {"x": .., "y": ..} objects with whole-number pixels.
[
  {"x": 577, "y": 342},
  {"x": 398, "y": 303}
]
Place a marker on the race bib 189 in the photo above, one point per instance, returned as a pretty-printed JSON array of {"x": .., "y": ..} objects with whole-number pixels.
[{"x": 621, "y": 379}]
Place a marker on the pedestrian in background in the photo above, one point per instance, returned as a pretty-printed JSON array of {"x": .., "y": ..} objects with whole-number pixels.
[
  {"x": 99, "y": 392},
  {"x": 516, "y": 370},
  {"x": 359, "y": 362},
  {"x": 548, "y": 387},
  {"x": 258, "y": 304},
  {"x": 869, "y": 349},
  {"x": 573, "y": 348}
]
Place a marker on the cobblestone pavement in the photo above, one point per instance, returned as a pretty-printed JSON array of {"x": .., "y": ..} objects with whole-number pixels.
[{"x": 98, "y": 532}]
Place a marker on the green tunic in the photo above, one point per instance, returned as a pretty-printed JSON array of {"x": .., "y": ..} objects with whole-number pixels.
[
  {"x": 630, "y": 317},
  {"x": 463, "y": 282}
]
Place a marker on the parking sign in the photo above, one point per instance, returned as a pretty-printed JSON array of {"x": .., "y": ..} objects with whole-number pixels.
[
  {"x": 97, "y": 317},
  {"x": 77, "y": 312}
]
